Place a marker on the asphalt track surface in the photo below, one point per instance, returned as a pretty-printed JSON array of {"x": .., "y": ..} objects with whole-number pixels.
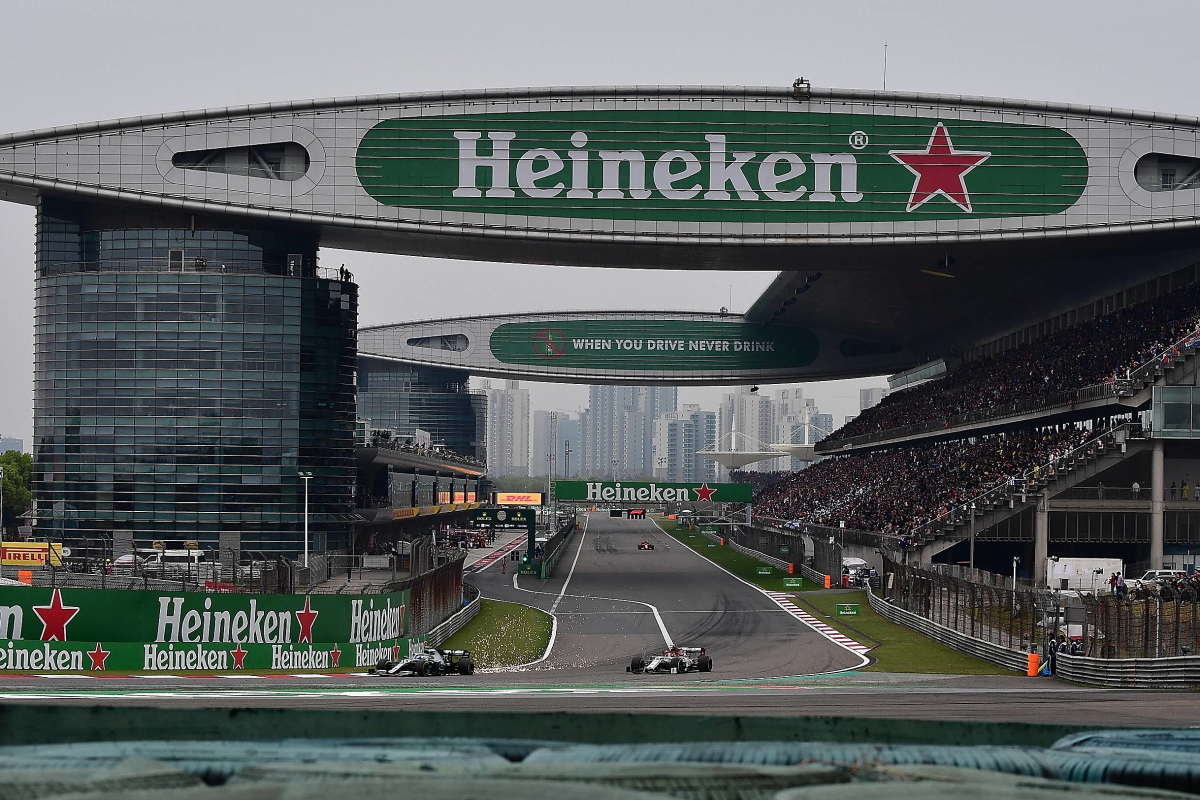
[{"x": 612, "y": 601}]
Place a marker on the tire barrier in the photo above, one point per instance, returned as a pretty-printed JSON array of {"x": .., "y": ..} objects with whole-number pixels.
[
  {"x": 1149, "y": 763},
  {"x": 458, "y": 619}
]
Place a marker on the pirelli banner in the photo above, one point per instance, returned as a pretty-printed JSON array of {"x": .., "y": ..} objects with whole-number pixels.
[
  {"x": 96, "y": 630},
  {"x": 634, "y": 492}
]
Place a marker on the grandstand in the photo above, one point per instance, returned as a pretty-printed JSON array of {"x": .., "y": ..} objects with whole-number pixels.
[{"x": 1040, "y": 443}]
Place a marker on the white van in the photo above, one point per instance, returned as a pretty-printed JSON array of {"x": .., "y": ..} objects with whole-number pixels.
[{"x": 176, "y": 564}]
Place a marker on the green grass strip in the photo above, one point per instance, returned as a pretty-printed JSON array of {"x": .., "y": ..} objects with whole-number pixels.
[
  {"x": 900, "y": 649},
  {"x": 743, "y": 566},
  {"x": 503, "y": 635}
]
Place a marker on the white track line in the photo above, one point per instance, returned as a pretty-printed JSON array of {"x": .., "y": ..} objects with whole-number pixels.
[
  {"x": 662, "y": 628},
  {"x": 571, "y": 574},
  {"x": 861, "y": 654}
]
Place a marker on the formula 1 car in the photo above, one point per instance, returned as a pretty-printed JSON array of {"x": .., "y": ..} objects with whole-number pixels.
[
  {"x": 676, "y": 660},
  {"x": 430, "y": 661},
  {"x": 645, "y": 546}
]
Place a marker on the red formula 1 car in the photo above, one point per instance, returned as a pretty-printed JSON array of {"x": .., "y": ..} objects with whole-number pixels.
[{"x": 645, "y": 546}]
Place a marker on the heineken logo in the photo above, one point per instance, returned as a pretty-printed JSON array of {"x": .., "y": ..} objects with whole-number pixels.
[
  {"x": 940, "y": 170},
  {"x": 720, "y": 166},
  {"x": 56, "y": 630},
  {"x": 628, "y": 174},
  {"x": 654, "y": 492}
]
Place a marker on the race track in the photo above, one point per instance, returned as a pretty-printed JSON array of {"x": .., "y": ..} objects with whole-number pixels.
[{"x": 613, "y": 601}]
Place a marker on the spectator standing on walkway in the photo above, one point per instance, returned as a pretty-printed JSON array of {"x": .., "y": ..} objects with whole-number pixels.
[
  {"x": 1137, "y": 489},
  {"x": 1100, "y": 490},
  {"x": 1112, "y": 583},
  {"x": 1172, "y": 490},
  {"x": 1121, "y": 587},
  {"x": 1183, "y": 489}
]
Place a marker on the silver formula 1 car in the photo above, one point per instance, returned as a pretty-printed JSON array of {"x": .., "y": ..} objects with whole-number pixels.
[
  {"x": 430, "y": 661},
  {"x": 677, "y": 660}
]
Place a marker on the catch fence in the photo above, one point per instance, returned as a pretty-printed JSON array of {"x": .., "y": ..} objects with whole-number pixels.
[
  {"x": 433, "y": 596},
  {"x": 1141, "y": 624},
  {"x": 1018, "y": 620},
  {"x": 232, "y": 574}
]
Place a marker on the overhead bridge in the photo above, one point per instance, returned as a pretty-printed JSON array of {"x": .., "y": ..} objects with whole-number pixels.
[{"x": 643, "y": 347}]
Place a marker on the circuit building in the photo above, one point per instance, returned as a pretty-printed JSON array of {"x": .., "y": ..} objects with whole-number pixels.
[{"x": 193, "y": 356}]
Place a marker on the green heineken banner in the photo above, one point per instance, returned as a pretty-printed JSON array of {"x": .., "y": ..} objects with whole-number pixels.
[
  {"x": 662, "y": 344},
  {"x": 721, "y": 166},
  {"x": 655, "y": 492},
  {"x": 51, "y": 630}
]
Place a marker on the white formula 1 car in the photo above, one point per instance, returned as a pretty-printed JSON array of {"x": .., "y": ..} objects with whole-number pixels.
[
  {"x": 677, "y": 660},
  {"x": 429, "y": 662}
]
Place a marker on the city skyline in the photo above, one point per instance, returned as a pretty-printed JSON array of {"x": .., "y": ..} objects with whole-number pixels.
[{"x": 648, "y": 431}]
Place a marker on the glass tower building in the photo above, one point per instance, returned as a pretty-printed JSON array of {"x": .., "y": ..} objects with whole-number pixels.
[
  {"x": 186, "y": 370},
  {"x": 402, "y": 397}
]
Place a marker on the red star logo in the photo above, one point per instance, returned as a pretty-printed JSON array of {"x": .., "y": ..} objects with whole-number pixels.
[
  {"x": 55, "y": 618},
  {"x": 704, "y": 494},
  {"x": 239, "y": 657},
  {"x": 97, "y": 656},
  {"x": 306, "y": 617},
  {"x": 335, "y": 654},
  {"x": 395, "y": 652},
  {"x": 940, "y": 169}
]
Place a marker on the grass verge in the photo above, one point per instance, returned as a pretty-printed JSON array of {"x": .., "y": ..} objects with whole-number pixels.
[
  {"x": 503, "y": 635},
  {"x": 900, "y": 649},
  {"x": 741, "y": 565}
]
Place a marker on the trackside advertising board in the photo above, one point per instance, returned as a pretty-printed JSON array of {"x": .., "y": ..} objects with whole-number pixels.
[
  {"x": 517, "y": 498},
  {"x": 721, "y": 166},
  {"x": 56, "y": 630},
  {"x": 653, "y": 344},
  {"x": 655, "y": 492}
]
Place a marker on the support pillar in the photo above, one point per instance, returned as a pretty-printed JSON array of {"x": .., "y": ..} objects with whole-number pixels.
[
  {"x": 1157, "y": 481},
  {"x": 1041, "y": 540}
]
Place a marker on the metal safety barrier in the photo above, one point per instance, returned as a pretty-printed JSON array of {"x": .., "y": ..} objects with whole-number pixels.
[
  {"x": 1015, "y": 660},
  {"x": 1181, "y": 672},
  {"x": 458, "y": 619}
]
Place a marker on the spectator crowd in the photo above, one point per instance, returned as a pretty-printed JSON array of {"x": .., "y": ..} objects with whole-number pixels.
[
  {"x": 1104, "y": 349},
  {"x": 895, "y": 490}
]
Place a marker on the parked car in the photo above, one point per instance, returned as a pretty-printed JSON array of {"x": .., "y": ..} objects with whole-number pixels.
[{"x": 1153, "y": 576}]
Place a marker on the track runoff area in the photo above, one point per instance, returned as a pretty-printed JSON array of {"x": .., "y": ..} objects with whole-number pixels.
[{"x": 612, "y": 601}]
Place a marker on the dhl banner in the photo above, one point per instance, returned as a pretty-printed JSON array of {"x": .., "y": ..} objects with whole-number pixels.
[{"x": 518, "y": 498}]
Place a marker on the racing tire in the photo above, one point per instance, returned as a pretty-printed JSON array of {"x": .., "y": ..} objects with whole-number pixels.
[
  {"x": 383, "y": 665},
  {"x": 704, "y": 664},
  {"x": 637, "y": 665},
  {"x": 423, "y": 671},
  {"x": 466, "y": 667},
  {"x": 680, "y": 667}
]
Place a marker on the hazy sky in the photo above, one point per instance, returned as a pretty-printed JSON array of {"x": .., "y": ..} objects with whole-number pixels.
[{"x": 68, "y": 62}]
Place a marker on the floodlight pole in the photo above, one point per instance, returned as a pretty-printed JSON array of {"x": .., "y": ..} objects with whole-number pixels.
[{"x": 306, "y": 477}]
